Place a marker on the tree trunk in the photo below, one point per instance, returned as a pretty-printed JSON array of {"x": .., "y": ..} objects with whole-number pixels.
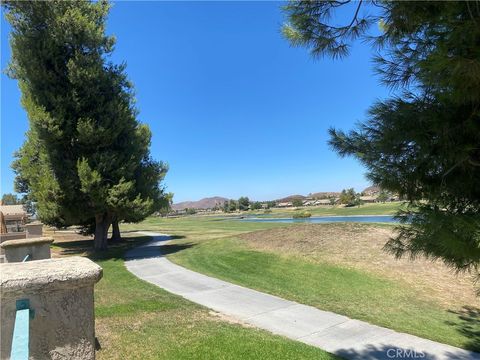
[
  {"x": 116, "y": 236},
  {"x": 102, "y": 223}
]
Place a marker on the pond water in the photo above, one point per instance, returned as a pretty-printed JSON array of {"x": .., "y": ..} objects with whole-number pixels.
[{"x": 329, "y": 219}]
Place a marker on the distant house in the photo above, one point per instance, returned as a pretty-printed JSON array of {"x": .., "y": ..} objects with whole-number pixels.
[
  {"x": 15, "y": 225},
  {"x": 15, "y": 217},
  {"x": 368, "y": 199},
  {"x": 284, "y": 204},
  {"x": 323, "y": 202}
]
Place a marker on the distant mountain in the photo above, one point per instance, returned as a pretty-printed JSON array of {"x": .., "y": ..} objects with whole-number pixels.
[
  {"x": 206, "y": 203},
  {"x": 291, "y": 198},
  {"x": 371, "y": 190},
  {"x": 324, "y": 195}
]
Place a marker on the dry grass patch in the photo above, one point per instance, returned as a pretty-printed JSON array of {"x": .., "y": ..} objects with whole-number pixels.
[
  {"x": 229, "y": 319},
  {"x": 360, "y": 246}
]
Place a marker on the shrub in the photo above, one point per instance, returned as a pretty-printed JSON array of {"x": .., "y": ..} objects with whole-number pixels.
[{"x": 301, "y": 215}]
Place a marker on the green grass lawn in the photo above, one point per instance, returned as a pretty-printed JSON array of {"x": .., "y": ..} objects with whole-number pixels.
[
  {"x": 214, "y": 250},
  {"x": 137, "y": 320},
  {"x": 345, "y": 291},
  {"x": 199, "y": 228}
]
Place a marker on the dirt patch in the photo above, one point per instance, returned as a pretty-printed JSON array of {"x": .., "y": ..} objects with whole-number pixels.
[
  {"x": 360, "y": 246},
  {"x": 229, "y": 319},
  {"x": 68, "y": 242}
]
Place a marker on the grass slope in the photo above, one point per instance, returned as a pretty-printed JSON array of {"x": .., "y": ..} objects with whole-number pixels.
[
  {"x": 209, "y": 246},
  {"x": 137, "y": 320},
  {"x": 345, "y": 291}
]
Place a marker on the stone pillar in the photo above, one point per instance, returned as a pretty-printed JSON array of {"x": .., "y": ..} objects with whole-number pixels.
[
  {"x": 36, "y": 249},
  {"x": 60, "y": 292},
  {"x": 11, "y": 236},
  {"x": 34, "y": 229}
]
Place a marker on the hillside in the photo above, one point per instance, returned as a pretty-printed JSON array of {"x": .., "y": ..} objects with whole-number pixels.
[
  {"x": 291, "y": 198},
  {"x": 206, "y": 203},
  {"x": 324, "y": 195},
  {"x": 371, "y": 190}
]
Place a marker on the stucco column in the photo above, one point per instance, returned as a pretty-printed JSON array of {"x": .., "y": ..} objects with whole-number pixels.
[
  {"x": 34, "y": 229},
  {"x": 60, "y": 292},
  {"x": 36, "y": 249}
]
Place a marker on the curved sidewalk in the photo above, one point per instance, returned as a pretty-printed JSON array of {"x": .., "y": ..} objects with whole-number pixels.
[{"x": 337, "y": 334}]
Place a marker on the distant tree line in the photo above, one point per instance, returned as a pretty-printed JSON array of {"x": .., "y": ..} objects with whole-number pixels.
[
  {"x": 347, "y": 197},
  {"x": 11, "y": 199},
  {"x": 244, "y": 203}
]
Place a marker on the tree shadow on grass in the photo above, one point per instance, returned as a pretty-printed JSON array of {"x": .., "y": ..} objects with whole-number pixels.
[
  {"x": 177, "y": 237},
  {"x": 169, "y": 237},
  {"x": 116, "y": 249},
  {"x": 84, "y": 247},
  {"x": 173, "y": 237},
  {"x": 74, "y": 247},
  {"x": 468, "y": 325},
  {"x": 153, "y": 249},
  {"x": 168, "y": 249}
]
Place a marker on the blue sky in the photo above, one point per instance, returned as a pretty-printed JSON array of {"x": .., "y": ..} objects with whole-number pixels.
[{"x": 233, "y": 108}]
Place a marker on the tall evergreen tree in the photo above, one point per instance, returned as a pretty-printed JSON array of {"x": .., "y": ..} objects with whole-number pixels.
[
  {"x": 86, "y": 158},
  {"x": 424, "y": 143}
]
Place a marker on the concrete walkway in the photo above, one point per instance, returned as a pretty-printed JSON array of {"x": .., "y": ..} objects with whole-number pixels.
[{"x": 348, "y": 338}]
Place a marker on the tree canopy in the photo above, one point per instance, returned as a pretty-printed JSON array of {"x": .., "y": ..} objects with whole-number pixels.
[
  {"x": 256, "y": 205},
  {"x": 297, "y": 202},
  {"x": 349, "y": 197},
  {"x": 423, "y": 143},
  {"x": 229, "y": 206},
  {"x": 243, "y": 203},
  {"x": 10, "y": 199},
  {"x": 86, "y": 158},
  {"x": 383, "y": 196}
]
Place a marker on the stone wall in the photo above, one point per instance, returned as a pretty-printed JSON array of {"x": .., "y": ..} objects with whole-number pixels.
[
  {"x": 36, "y": 249},
  {"x": 60, "y": 292},
  {"x": 11, "y": 236}
]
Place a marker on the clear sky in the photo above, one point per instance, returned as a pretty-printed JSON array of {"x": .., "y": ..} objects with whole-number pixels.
[{"x": 233, "y": 108}]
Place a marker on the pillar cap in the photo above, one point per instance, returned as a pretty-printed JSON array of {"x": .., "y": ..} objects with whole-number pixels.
[
  {"x": 26, "y": 242},
  {"x": 47, "y": 275}
]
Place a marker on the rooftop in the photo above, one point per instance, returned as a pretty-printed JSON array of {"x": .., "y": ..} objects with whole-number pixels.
[{"x": 12, "y": 210}]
